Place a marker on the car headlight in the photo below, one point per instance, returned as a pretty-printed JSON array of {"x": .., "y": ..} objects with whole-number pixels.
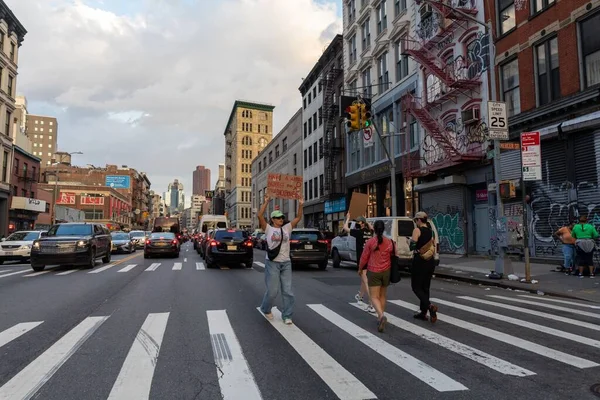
[
  {"x": 36, "y": 245},
  {"x": 82, "y": 243},
  {"x": 26, "y": 246}
]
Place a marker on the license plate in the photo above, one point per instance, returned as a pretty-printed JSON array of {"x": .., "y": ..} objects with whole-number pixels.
[
  {"x": 231, "y": 248},
  {"x": 308, "y": 247},
  {"x": 161, "y": 244},
  {"x": 8, "y": 253}
]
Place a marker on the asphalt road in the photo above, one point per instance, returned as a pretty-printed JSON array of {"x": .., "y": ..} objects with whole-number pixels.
[{"x": 180, "y": 331}]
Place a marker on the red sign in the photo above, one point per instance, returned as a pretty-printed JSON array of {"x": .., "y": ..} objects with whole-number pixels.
[
  {"x": 89, "y": 200},
  {"x": 530, "y": 139},
  {"x": 481, "y": 195},
  {"x": 66, "y": 198}
]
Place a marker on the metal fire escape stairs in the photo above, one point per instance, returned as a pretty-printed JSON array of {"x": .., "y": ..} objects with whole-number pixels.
[{"x": 331, "y": 146}]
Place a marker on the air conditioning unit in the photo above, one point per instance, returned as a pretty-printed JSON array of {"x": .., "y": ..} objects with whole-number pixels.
[
  {"x": 470, "y": 116},
  {"x": 425, "y": 10}
]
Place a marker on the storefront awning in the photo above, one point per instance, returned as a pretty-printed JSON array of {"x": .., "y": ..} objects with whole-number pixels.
[{"x": 28, "y": 204}]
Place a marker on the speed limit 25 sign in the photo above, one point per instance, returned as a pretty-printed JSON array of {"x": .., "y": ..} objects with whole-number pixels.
[{"x": 497, "y": 120}]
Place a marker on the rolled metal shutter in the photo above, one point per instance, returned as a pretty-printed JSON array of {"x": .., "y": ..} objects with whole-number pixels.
[
  {"x": 447, "y": 210},
  {"x": 587, "y": 176},
  {"x": 510, "y": 164}
]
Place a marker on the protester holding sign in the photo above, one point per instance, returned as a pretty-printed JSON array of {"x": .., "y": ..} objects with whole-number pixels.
[{"x": 278, "y": 265}]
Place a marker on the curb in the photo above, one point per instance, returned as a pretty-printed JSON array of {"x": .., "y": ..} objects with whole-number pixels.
[{"x": 502, "y": 284}]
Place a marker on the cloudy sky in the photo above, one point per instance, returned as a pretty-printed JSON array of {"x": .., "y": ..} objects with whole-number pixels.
[{"x": 150, "y": 83}]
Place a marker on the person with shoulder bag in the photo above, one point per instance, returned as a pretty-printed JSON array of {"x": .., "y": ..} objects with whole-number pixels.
[
  {"x": 423, "y": 266},
  {"x": 278, "y": 265},
  {"x": 585, "y": 236}
]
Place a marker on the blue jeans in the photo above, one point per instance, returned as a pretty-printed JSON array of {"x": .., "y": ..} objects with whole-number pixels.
[
  {"x": 569, "y": 254},
  {"x": 278, "y": 275}
]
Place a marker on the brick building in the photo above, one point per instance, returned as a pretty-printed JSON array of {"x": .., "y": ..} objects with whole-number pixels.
[
  {"x": 25, "y": 205},
  {"x": 548, "y": 69},
  {"x": 200, "y": 180}
]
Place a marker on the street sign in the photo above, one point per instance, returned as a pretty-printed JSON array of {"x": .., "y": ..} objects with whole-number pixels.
[
  {"x": 531, "y": 156},
  {"x": 209, "y": 194},
  {"x": 368, "y": 137},
  {"x": 510, "y": 146},
  {"x": 497, "y": 120}
]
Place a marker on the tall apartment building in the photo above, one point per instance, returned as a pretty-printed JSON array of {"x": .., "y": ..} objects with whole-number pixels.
[
  {"x": 217, "y": 204},
  {"x": 12, "y": 34},
  {"x": 43, "y": 133},
  {"x": 323, "y": 138},
  {"x": 200, "y": 180},
  {"x": 248, "y": 131}
]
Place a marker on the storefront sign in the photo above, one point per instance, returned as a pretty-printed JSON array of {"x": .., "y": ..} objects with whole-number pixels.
[
  {"x": 531, "y": 156},
  {"x": 24, "y": 203},
  {"x": 334, "y": 206},
  {"x": 67, "y": 198},
  {"x": 481, "y": 195},
  {"x": 91, "y": 200},
  {"x": 284, "y": 186}
]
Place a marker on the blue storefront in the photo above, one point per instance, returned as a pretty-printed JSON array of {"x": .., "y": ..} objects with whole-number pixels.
[{"x": 335, "y": 213}]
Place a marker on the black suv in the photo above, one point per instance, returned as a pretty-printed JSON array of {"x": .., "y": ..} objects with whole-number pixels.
[
  {"x": 230, "y": 246},
  {"x": 75, "y": 243},
  {"x": 308, "y": 246}
]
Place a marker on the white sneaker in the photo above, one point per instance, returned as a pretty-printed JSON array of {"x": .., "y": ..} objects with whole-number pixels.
[
  {"x": 287, "y": 321},
  {"x": 370, "y": 309},
  {"x": 358, "y": 297}
]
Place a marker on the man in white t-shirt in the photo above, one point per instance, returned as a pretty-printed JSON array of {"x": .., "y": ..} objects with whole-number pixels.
[{"x": 278, "y": 271}]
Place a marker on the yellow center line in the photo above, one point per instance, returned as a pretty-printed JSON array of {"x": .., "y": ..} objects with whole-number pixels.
[{"x": 122, "y": 260}]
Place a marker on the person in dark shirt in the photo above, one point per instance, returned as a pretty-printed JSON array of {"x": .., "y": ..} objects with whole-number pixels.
[{"x": 362, "y": 232}]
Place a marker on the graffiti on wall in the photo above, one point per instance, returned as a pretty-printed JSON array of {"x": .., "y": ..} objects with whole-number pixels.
[
  {"x": 450, "y": 226},
  {"x": 467, "y": 139}
]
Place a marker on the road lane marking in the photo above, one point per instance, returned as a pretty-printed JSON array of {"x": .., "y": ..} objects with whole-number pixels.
[
  {"x": 259, "y": 264},
  {"x": 345, "y": 385},
  {"x": 185, "y": 259},
  {"x": 200, "y": 266},
  {"x": 560, "y": 301},
  {"x": 14, "y": 332},
  {"x": 136, "y": 374},
  {"x": 67, "y": 272},
  {"x": 128, "y": 268},
  {"x": 14, "y": 273},
  {"x": 509, "y": 339},
  {"x": 235, "y": 377},
  {"x": 153, "y": 267},
  {"x": 101, "y": 269},
  {"x": 518, "y": 322},
  {"x": 177, "y": 266},
  {"x": 26, "y": 383},
  {"x": 36, "y": 274},
  {"x": 551, "y": 306},
  {"x": 410, "y": 364},
  {"x": 464, "y": 350}
]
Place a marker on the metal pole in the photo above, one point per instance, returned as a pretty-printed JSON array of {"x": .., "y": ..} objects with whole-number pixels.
[
  {"x": 525, "y": 231},
  {"x": 392, "y": 171},
  {"x": 54, "y": 195}
]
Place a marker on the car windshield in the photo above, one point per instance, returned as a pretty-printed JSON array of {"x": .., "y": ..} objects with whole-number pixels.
[
  {"x": 120, "y": 236},
  {"x": 311, "y": 235},
  {"x": 70, "y": 230},
  {"x": 138, "y": 234},
  {"x": 162, "y": 235},
  {"x": 23, "y": 236},
  {"x": 231, "y": 234}
]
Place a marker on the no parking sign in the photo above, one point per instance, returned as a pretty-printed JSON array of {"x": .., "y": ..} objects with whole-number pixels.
[{"x": 368, "y": 137}]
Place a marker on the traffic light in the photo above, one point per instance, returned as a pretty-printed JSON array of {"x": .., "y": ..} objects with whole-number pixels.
[
  {"x": 353, "y": 117},
  {"x": 365, "y": 116}
]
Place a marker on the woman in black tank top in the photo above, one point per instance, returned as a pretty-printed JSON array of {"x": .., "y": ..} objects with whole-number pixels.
[{"x": 422, "y": 270}]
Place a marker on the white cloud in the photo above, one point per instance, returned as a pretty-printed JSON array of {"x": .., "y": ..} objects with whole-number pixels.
[{"x": 152, "y": 85}]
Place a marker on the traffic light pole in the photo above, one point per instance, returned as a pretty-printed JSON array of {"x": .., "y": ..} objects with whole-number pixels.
[{"x": 392, "y": 170}]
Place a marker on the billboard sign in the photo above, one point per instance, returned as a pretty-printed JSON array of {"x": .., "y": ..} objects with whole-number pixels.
[
  {"x": 91, "y": 200},
  {"x": 66, "y": 198},
  {"x": 118, "y": 181}
]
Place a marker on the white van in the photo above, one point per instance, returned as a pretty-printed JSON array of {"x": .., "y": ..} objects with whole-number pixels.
[
  {"x": 210, "y": 221},
  {"x": 343, "y": 247}
]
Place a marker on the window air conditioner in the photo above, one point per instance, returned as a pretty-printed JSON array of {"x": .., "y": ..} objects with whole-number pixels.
[
  {"x": 470, "y": 116},
  {"x": 425, "y": 10}
]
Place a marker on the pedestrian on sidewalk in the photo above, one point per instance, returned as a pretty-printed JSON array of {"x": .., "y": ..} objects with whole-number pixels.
[
  {"x": 585, "y": 241},
  {"x": 568, "y": 247},
  {"x": 278, "y": 265},
  {"x": 423, "y": 266},
  {"x": 376, "y": 260},
  {"x": 362, "y": 232}
]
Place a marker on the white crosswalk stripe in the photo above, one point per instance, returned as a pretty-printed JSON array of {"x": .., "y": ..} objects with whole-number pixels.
[
  {"x": 410, "y": 364},
  {"x": 128, "y": 268},
  {"x": 68, "y": 272},
  {"x": 18, "y": 330},
  {"x": 153, "y": 267},
  {"x": 177, "y": 266},
  {"x": 36, "y": 274},
  {"x": 510, "y": 339},
  {"x": 14, "y": 273},
  {"x": 200, "y": 266},
  {"x": 551, "y": 306},
  {"x": 101, "y": 269},
  {"x": 259, "y": 264},
  {"x": 573, "y": 303}
]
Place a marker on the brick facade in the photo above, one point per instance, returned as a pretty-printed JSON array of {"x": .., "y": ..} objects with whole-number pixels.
[{"x": 24, "y": 180}]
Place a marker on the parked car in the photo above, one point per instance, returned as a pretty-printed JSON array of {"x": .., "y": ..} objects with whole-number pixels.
[
  {"x": 308, "y": 246},
  {"x": 162, "y": 243},
  {"x": 257, "y": 240},
  {"x": 230, "y": 246},
  {"x": 122, "y": 242},
  {"x": 328, "y": 236},
  {"x": 73, "y": 243},
  {"x": 138, "y": 238},
  {"x": 17, "y": 246}
]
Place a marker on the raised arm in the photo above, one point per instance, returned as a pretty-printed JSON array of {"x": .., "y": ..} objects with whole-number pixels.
[
  {"x": 298, "y": 218},
  {"x": 346, "y": 227},
  {"x": 261, "y": 213}
]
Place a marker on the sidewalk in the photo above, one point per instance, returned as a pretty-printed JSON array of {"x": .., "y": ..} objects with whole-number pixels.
[{"x": 474, "y": 269}]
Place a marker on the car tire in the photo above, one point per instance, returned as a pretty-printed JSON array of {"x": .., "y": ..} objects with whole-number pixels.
[
  {"x": 323, "y": 265},
  {"x": 335, "y": 258},
  {"x": 106, "y": 258},
  {"x": 92, "y": 260},
  {"x": 38, "y": 268}
]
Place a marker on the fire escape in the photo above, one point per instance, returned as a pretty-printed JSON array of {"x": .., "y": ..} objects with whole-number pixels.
[
  {"x": 332, "y": 146},
  {"x": 439, "y": 22}
]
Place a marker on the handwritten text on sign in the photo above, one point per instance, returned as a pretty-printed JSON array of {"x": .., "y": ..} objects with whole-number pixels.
[{"x": 284, "y": 186}]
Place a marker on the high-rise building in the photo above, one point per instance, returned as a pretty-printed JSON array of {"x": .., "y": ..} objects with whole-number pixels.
[
  {"x": 200, "y": 180},
  {"x": 19, "y": 132},
  {"x": 43, "y": 133},
  {"x": 176, "y": 197},
  {"x": 248, "y": 131}
]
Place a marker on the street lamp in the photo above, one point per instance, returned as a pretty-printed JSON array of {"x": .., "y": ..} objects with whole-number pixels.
[{"x": 55, "y": 189}]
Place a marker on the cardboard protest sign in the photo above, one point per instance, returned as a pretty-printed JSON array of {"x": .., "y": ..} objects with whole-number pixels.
[
  {"x": 358, "y": 205},
  {"x": 284, "y": 186}
]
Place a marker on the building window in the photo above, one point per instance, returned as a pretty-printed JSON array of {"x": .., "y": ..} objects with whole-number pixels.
[
  {"x": 276, "y": 151},
  {"x": 320, "y": 116},
  {"x": 366, "y": 34},
  {"x": 2, "y": 41},
  {"x": 310, "y": 125},
  {"x": 5, "y": 167},
  {"x": 321, "y": 185},
  {"x": 7, "y": 124},
  {"x": 11, "y": 81},
  {"x": 270, "y": 157},
  {"x": 509, "y": 75},
  {"x": 284, "y": 144},
  {"x": 314, "y": 121},
  {"x": 382, "y": 73},
  {"x": 366, "y": 82},
  {"x": 310, "y": 190},
  {"x": 12, "y": 52},
  {"x": 259, "y": 166},
  {"x": 295, "y": 159},
  {"x": 401, "y": 61},
  {"x": 310, "y": 158},
  {"x": 314, "y": 92},
  {"x": 316, "y": 185},
  {"x": 315, "y": 152},
  {"x": 506, "y": 16},
  {"x": 309, "y": 98},
  {"x": 352, "y": 56},
  {"x": 539, "y": 5},
  {"x": 590, "y": 49},
  {"x": 305, "y": 130},
  {"x": 548, "y": 75},
  {"x": 304, "y": 103},
  {"x": 399, "y": 6},
  {"x": 351, "y": 11},
  {"x": 320, "y": 148},
  {"x": 414, "y": 135},
  {"x": 305, "y": 159},
  {"x": 381, "y": 17}
]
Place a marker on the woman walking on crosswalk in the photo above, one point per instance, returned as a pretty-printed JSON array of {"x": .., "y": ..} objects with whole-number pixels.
[
  {"x": 377, "y": 258},
  {"x": 423, "y": 245}
]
